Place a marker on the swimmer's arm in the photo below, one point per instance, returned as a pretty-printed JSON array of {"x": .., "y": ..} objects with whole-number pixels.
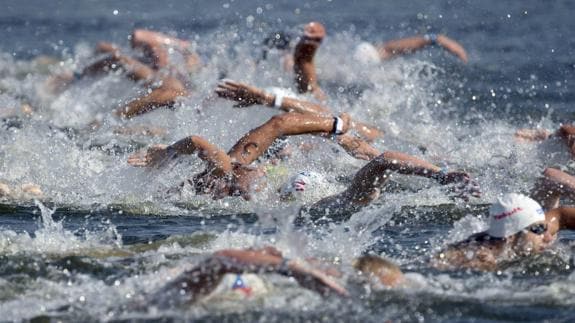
[
  {"x": 525, "y": 134},
  {"x": 135, "y": 69},
  {"x": 552, "y": 186},
  {"x": 370, "y": 177},
  {"x": 156, "y": 155},
  {"x": 561, "y": 218},
  {"x": 567, "y": 132},
  {"x": 409, "y": 45},
  {"x": 357, "y": 147},
  {"x": 246, "y": 95},
  {"x": 264, "y": 261}
]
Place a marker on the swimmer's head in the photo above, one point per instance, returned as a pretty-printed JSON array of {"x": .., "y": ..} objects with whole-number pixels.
[
  {"x": 303, "y": 185},
  {"x": 313, "y": 34},
  {"x": 385, "y": 271},
  {"x": 366, "y": 54},
  {"x": 512, "y": 213},
  {"x": 314, "y": 29}
]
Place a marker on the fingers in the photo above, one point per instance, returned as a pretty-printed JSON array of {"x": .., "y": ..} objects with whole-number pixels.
[{"x": 138, "y": 161}]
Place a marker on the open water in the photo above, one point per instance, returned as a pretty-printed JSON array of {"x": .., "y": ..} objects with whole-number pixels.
[{"x": 106, "y": 233}]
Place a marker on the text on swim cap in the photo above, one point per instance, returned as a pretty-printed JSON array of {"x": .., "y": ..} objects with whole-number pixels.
[{"x": 506, "y": 214}]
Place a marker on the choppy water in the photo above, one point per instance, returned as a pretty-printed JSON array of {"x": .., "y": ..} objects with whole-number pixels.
[{"x": 116, "y": 234}]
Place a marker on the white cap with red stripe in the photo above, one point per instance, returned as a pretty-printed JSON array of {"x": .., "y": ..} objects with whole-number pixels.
[{"x": 512, "y": 213}]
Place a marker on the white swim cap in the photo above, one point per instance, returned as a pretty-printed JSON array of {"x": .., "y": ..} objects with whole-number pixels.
[
  {"x": 513, "y": 213},
  {"x": 301, "y": 183},
  {"x": 238, "y": 287},
  {"x": 365, "y": 53}
]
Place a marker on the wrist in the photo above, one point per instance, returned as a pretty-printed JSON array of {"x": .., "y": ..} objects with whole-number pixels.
[
  {"x": 171, "y": 151},
  {"x": 441, "y": 175},
  {"x": 267, "y": 99},
  {"x": 431, "y": 38},
  {"x": 284, "y": 266}
]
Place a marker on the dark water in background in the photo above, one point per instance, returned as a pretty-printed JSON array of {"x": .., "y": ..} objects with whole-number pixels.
[{"x": 520, "y": 69}]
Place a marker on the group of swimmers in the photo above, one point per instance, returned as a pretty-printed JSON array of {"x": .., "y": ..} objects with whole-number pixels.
[{"x": 518, "y": 225}]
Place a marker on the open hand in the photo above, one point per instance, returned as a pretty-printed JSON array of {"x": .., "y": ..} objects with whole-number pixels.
[
  {"x": 243, "y": 94},
  {"x": 464, "y": 186},
  {"x": 151, "y": 157}
]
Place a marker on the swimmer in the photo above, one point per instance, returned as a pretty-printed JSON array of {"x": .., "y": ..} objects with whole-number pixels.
[
  {"x": 231, "y": 174},
  {"x": 367, "y": 53},
  {"x": 518, "y": 227},
  {"x": 279, "y": 43},
  {"x": 246, "y": 96},
  {"x": 27, "y": 191},
  {"x": 203, "y": 280},
  {"x": 244, "y": 269},
  {"x": 366, "y": 184},
  {"x": 164, "y": 80},
  {"x": 565, "y": 132}
]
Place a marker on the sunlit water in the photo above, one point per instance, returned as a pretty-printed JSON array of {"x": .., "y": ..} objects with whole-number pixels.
[{"x": 105, "y": 234}]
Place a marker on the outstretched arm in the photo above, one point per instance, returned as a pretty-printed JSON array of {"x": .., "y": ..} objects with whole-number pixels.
[
  {"x": 156, "y": 45},
  {"x": 252, "y": 145},
  {"x": 204, "y": 277},
  {"x": 163, "y": 96},
  {"x": 115, "y": 60},
  {"x": 271, "y": 260},
  {"x": 357, "y": 147},
  {"x": 156, "y": 155},
  {"x": 409, "y": 45},
  {"x": 247, "y": 95},
  {"x": 566, "y": 131},
  {"x": 368, "y": 179}
]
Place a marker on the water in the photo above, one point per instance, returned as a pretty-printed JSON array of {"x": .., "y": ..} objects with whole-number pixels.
[{"x": 116, "y": 234}]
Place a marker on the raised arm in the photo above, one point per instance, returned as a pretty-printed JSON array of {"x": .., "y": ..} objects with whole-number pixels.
[
  {"x": 409, "y": 45},
  {"x": 304, "y": 67},
  {"x": 158, "y": 154}
]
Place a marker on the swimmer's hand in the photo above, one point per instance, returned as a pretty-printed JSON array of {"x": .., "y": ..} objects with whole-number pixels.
[
  {"x": 464, "y": 187},
  {"x": 527, "y": 135},
  {"x": 151, "y": 157},
  {"x": 315, "y": 279},
  {"x": 453, "y": 47},
  {"x": 243, "y": 94}
]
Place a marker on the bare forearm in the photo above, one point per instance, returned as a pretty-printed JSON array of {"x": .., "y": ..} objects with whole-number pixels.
[
  {"x": 300, "y": 106},
  {"x": 403, "y": 46},
  {"x": 375, "y": 173},
  {"x": 206, "y": 152},
  {"x": 357, "y": 147}
]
